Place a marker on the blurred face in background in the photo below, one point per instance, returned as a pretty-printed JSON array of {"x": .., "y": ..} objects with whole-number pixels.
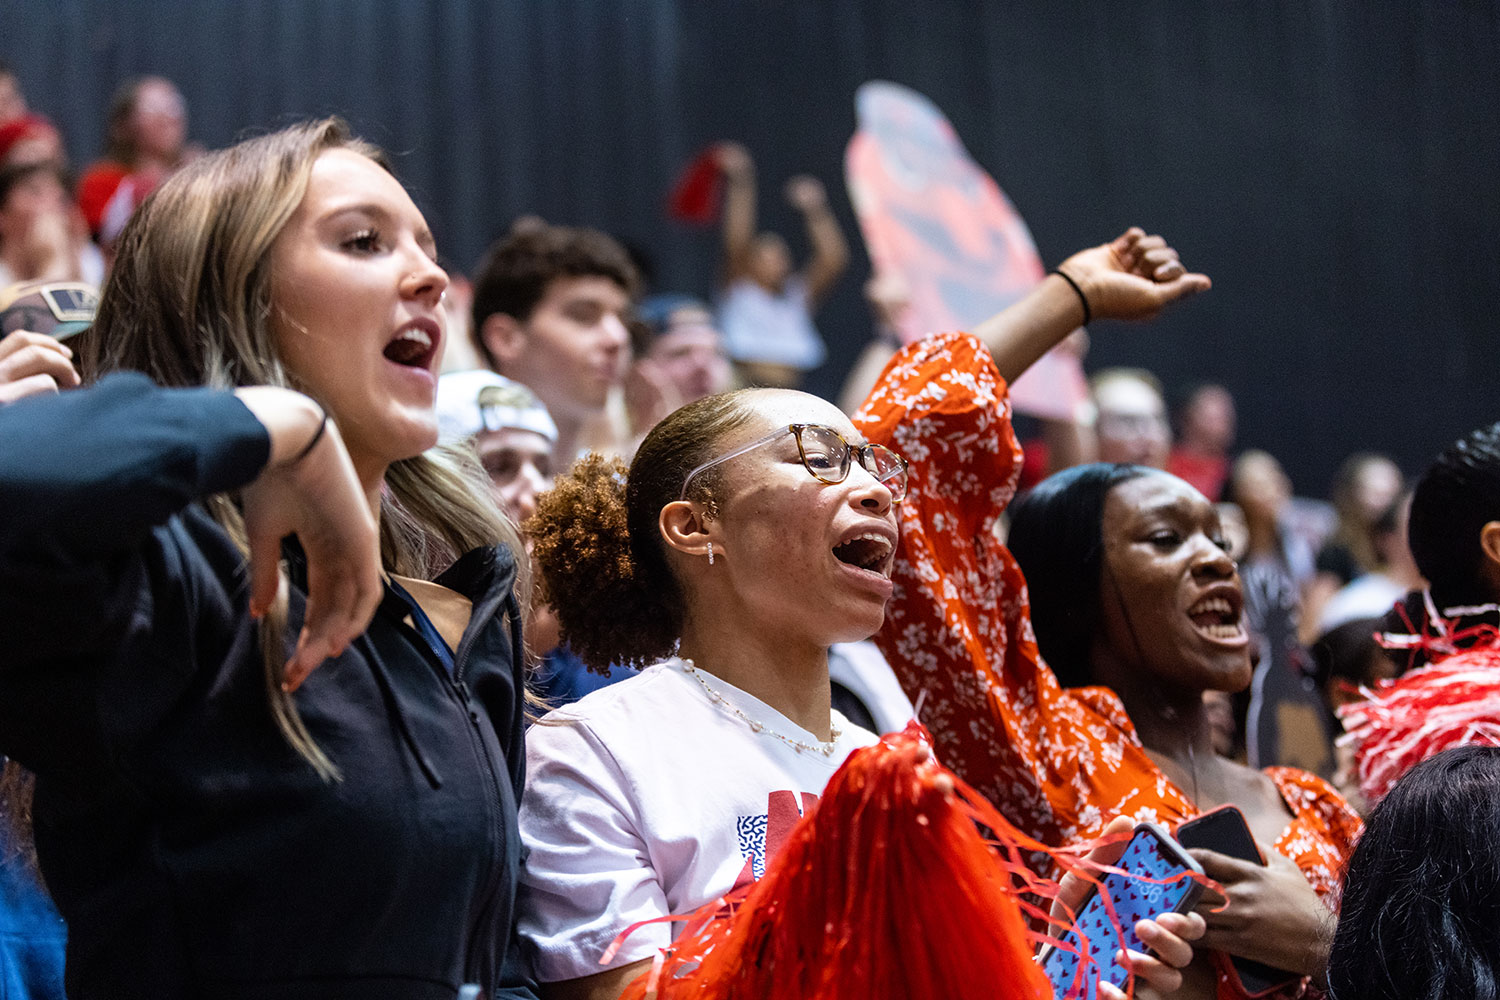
[
  {"x": 1132, "y": 422},
  {"x": 38, "y": 194},
  {"x": 1260, "y": 487},
  {"x": 1208, "y": 421},
  {"x": 159, "y": 121},
  {"x": 572, "y": 350},
  {"x": 770, "y": 261},
  {"x": 691, "y": 355},
  {"x": 12, "y": 101},
  {"x": 1377, "y": 483},
  {"x": 519, "y": 464}
]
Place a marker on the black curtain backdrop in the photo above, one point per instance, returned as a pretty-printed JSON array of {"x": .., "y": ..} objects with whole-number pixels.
[{"x": 1334, "y": 166}]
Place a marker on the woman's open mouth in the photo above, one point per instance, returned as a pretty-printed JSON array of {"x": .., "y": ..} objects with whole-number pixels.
[
  {"x": 1218, "y": 618},
  {"x": 870, "y": 550},
  {"x": 413, "y": 346}
]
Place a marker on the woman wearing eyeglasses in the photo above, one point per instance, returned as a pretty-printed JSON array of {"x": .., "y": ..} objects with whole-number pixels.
[{"x": 752, "y": 531}]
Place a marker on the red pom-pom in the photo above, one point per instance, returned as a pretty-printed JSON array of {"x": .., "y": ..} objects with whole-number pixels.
[
  {"x": 886, "y": 888},
  {"x": 1405, "y": 721}
]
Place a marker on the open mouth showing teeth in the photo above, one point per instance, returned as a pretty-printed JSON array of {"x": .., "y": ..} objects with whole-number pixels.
[
  {"x": 1216, "y": 618},
  {"x": 868, "y": 551},
  {"x": 412, "y": 347}
]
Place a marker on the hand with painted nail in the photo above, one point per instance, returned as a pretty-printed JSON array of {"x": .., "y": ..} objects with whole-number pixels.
[
  {"x": 309, "y": 489},
  {"x": 1169, "y": 935}
]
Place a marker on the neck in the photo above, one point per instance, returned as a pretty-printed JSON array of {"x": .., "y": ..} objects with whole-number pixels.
[
  {"x": 154, "y": 162},
  {"x": 790, "y": 677},
  {"x": 371, "y": 476},
  {"x": 1177, "y": 729},
  {"x": 565, "y": 452},
  {"x": 1178, "y": 738},
  {"x": 1171, "y": 722}
]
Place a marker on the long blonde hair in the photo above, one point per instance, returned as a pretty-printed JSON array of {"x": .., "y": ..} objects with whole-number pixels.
[{"x": 189, "y": 302}]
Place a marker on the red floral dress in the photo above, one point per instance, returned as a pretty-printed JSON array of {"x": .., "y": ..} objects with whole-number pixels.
[{"x": 1059, "y": 763}]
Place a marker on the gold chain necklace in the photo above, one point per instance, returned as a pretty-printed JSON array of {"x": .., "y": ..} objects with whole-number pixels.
[{"x": 826, "y": 749}]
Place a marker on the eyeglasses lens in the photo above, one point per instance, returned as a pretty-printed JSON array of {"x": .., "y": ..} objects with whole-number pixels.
[
  {"x": 824, "y": 453},
  {"x": 886, "y": 466}
]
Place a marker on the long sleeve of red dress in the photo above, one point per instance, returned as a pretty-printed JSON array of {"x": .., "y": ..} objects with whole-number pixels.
[{"x": 1059, "y": 763}]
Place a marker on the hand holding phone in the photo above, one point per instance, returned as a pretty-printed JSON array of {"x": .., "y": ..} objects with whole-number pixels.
[
  {"x": 1262, "y": 913},
  {"x": 1162, "y": 884}
]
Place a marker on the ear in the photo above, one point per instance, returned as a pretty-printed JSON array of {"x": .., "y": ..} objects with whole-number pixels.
[
  {"x": 684, "y": 528},
  {"x": 504, "y": 337},
  {"x": 1489, "y": 541}
]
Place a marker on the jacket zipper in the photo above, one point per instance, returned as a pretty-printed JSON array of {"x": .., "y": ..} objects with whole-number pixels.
[{"x": 480, "y": 929}]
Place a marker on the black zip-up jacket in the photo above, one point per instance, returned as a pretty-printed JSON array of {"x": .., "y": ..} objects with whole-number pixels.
[{"x": 192, "y": 851}]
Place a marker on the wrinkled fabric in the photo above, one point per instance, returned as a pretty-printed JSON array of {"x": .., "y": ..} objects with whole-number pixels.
[{"x": 1058, "y": 763}]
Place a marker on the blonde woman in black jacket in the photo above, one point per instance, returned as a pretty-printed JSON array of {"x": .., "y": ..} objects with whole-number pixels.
[{"x": 277, "y": 753}]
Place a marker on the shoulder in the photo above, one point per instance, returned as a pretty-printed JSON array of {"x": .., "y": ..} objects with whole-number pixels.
[
  {"x": 102, "y": 174},
  {"x": 1311, "y": 797},
  {"x": 614, "y": 717},
  {"x": 97, "y": 186},
  {"x": 658, "y": 682}
]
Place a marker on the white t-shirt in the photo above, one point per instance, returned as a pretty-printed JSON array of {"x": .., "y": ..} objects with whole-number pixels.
[
  {"x": 762, "y": 326},
  {"x": 646, "y": 799}
]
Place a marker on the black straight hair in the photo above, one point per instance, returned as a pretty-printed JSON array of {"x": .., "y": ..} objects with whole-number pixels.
[
  {"x": 1056, "y": 536},
  {"x": 1420, "y": 913}
]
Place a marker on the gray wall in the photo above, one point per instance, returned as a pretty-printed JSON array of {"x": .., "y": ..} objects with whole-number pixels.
[{"x": 1333, "y": 166}]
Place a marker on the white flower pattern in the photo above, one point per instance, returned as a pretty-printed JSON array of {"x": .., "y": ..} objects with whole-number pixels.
[{"x": 1059, "y": 763}]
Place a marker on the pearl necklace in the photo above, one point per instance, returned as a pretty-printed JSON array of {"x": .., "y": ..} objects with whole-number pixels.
[{"x": 826, "y": 749}]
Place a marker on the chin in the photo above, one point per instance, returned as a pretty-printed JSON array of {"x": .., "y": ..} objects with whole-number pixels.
[
  {"x": 411, "y": 439},
  {"x": 1230, "y": 679},
  {"x": 858, "y": 627}
]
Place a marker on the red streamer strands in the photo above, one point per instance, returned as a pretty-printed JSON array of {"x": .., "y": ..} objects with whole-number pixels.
[
  {"x": 886, "y": 889},
  {"x": 1405, "y": 721}
]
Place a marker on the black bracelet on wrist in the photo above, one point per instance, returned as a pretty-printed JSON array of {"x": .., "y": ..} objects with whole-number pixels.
[
  {"x": 1083, "y": 299},
  {"x": 313, "y": 443}
]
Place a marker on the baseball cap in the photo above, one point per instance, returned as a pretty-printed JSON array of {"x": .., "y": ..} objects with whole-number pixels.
[
  {"x": 57, "y": 308},
  {"x": 481, "y": 400}
]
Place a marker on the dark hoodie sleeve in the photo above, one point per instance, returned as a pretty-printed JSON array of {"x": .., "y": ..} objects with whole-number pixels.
[
  {"x": 94, "y": 471},
  {"x": 86, "y": 477}
]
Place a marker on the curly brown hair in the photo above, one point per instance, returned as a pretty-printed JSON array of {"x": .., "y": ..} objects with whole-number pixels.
[{"x": 598, "y": 545}]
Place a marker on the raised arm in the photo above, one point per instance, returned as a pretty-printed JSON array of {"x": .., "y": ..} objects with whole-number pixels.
[
  {"x": 830, "y": 251},
  {"x": 1131, "y": 277},
  {"x": 739, "y": 208},
  {"x": 89, "y": 475},
  {"x": 1057, "y": 762}
]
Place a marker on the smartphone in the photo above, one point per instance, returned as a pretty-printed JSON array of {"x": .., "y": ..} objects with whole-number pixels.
[
  {"x": 1224, "y": 830},
  {"x": 1151, "y": 853}
]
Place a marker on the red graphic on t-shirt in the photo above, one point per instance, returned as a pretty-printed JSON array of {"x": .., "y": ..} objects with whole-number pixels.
[{"x": 782, "y": 813}]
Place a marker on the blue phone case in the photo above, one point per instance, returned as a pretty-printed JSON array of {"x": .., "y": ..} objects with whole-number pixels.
[{"x": 1152, "y": 853}]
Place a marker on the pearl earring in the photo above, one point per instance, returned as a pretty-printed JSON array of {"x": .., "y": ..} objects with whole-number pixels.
[{"x": 710, "y": 553}]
